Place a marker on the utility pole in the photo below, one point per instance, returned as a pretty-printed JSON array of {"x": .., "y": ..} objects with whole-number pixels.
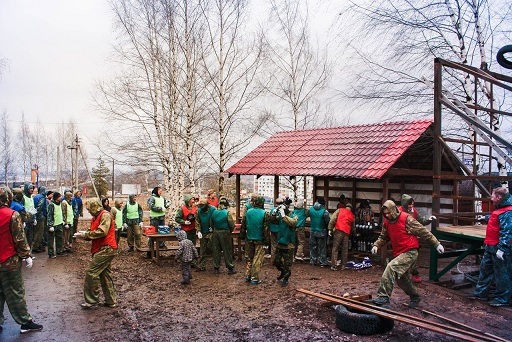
[
  {"x": 113, "y": 193},
  {"x": 58, "y": 169},
  {"x": 74, "y": 163},
  {"x": 77, "y": 146}
]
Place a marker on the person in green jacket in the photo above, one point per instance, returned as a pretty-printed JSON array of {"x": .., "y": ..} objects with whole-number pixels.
[
  {"x": 254, "y": 230},
  {"x": 223, "y": 224},
  {"x": 204, "y": 230},
  {"x": 318, "y": 233},
  {"x": 274, "y": 229},
  {"x": 286, "y": 220}
]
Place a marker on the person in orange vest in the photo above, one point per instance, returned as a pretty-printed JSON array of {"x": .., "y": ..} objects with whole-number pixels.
[
  {"x": 13, "y": 249},
  {"x": 212, "y": 198},
  {"x": 186, "y": 217},
  {"x": 408, "y": 207},
  {"x": 403, "y": 231},
  {"x": 102, "y": 233},
  {"x": 340, "y": 227}
]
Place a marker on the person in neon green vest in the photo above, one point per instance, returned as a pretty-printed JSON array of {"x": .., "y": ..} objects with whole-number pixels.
[
  {"x": 67, "y": 211},
  {"x": 157, "y": 205},
  {"x": 55, "y": 222},
  {"x": 117, "y": 213},
  {"x": 28, "y": 203},
  {"x": 132, "y": 221}
]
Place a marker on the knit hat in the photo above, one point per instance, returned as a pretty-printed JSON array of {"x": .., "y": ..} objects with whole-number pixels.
[
  {"x": 56, "y": 195},
  {"x": 321, "y": 200},
  {"x": 259, "y": 202},
  {"x": 299, "y": 204}
]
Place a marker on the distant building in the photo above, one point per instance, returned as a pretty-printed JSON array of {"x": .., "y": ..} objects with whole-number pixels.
[{"x": 265, "y": 186}]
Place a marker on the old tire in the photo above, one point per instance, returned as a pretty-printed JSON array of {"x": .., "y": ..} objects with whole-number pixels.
[
  {"x": 355, "y": 322},
  {"x": 500, "y": 57}
]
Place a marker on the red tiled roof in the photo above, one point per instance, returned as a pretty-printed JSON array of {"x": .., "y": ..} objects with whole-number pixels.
[{"x": 363, "y": 151}]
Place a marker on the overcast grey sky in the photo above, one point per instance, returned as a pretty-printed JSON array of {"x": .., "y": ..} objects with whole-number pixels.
[{"x": 55, "y": 50}]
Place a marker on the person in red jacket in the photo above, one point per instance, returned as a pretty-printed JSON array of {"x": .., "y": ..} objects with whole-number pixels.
[
  {"x": 102, "y": 233},
  {"x": 340, "y": 227},
  {"x": 13, "y": 248},
  {"x": 212, "y": 198},
  {"x": 186, "y": 217},
  {"x": 408, "y": 206},
  {"x": 402, "y": 230},
  {"x": 495, "y": 266}
]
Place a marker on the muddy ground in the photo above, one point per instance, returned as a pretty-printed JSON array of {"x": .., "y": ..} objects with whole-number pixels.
[{"x": 153, "y": 306}]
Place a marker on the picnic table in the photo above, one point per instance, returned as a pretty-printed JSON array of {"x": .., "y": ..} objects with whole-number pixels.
[{"x": 155, "y": 239}]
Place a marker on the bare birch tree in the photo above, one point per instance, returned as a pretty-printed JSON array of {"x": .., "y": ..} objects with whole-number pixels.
[
  {"x": 300, "y": 71},
  {"x": 27, "y": 145},
  {"x": 394, "y": 43},
  {"x": 231, "y": 63},
  {"x": 396, "y": 46},
  {"x": 6, "y": 148},
  {"x": 155, "y": 103}
]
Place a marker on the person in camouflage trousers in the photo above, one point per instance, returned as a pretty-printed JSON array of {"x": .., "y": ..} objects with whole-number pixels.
[
  {"x": 340, "y": 227},
  {"x": 13, "y": 248},
  {"x": 286, "y": 220},
  {"x": 103, "y": 249},
  {"x": 186, "y": 254},
  {"x": 403, "y": 231},
  {"x": 132, "y": 221},
  {"x": 300, "y": 230},
  {"x": 204, "y": 231},
  {"x": 254, "y": 230},
  {"x": 223, "y": 224},
  {"x": 407, "y": 205}
]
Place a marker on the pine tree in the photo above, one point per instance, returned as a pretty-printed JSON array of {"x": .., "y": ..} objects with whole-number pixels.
[{"x": 99, "y": 175}]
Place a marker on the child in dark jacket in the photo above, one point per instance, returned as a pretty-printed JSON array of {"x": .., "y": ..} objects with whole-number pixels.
[{"x": 186, "y": 253}]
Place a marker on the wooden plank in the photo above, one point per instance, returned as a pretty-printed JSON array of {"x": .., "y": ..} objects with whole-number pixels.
[
  {"x": 147, "y": 249},
  {"x": 477, "y": 231},
  {"x": 465, "y": 326}
]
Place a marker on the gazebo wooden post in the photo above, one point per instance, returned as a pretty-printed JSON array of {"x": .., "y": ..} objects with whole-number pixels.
[
  {"x": 436, "y": 181},
  {"x": 237, "y": 181},
  {"x": 384, "y": 249},
  {"x": 276, "y": 189}
]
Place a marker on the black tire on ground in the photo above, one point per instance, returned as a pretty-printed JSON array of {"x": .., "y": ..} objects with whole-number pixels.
[
  {"x": 355, "y": 322},
  {"x": 500, "y": 57}
]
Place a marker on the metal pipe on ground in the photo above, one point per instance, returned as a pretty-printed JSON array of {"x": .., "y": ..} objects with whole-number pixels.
[{"x": 379, "y": 311}]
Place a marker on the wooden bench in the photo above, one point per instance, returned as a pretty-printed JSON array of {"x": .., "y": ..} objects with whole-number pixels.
[{"x": 147, "y": 249}]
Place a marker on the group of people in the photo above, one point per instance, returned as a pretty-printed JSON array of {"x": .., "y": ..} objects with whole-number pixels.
[
  {"x": 207, "y": 220},
  {"x": 30, "y": 223},
  {"x": 49, "y": 219}
]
